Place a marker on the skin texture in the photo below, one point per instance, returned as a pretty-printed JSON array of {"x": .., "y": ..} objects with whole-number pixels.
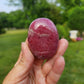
[
  {"x": 29, "y": 70},
  {"x": 43, "y": 38}
]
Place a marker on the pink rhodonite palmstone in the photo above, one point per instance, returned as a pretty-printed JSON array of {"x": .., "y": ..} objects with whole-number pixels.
[{"x": 43, "y": 38}]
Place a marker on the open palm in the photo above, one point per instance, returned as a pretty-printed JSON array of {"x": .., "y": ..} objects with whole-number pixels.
[{"x": 29, "y": 70}]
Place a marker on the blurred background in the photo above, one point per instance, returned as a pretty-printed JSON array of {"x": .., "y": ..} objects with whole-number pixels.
[{"x": 68, "y": 16}]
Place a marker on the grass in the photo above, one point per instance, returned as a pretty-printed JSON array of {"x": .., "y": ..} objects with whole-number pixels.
[
  {"x": 74, "y": 69},
  {"x": 10, "y": 48}
]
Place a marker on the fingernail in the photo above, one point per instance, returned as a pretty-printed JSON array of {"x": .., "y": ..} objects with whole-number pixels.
[{"x": 23, "y": 43}]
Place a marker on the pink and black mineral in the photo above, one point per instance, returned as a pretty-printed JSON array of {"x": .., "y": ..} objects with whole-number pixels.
[{"x": 43, "y": 38}]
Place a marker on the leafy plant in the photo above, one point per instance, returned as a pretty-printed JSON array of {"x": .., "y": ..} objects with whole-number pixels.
[
  {"x": 63, "y": 31},
  {"x": 76, "y": 18}
]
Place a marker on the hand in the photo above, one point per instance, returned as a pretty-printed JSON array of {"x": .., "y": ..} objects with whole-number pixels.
[{"x": 29, "y": 70}]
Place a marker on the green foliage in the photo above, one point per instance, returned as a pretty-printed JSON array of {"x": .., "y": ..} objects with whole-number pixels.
[
  {"x": 63, "y": 31},
  {"x": 13, "y": 19},
  {"x": 2, "y": 31},
  {"x": 76, "y": 18},
  {"x": 44, "y": 9},
  {"x": 16, "y": 19},
  {"x": 0, "y": 26},
  {"x": 3, "y": 21},
  {"x": 68, "y": 4},
  {"x": 40, "y": 8},
  {"x": 53, "y": 13},
  {"x": 32, "y": 9}
]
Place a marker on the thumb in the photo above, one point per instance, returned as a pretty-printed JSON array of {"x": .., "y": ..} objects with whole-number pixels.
[
  {"x": 22, "y": 66},
  {"x": 26, "y": 58}
]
